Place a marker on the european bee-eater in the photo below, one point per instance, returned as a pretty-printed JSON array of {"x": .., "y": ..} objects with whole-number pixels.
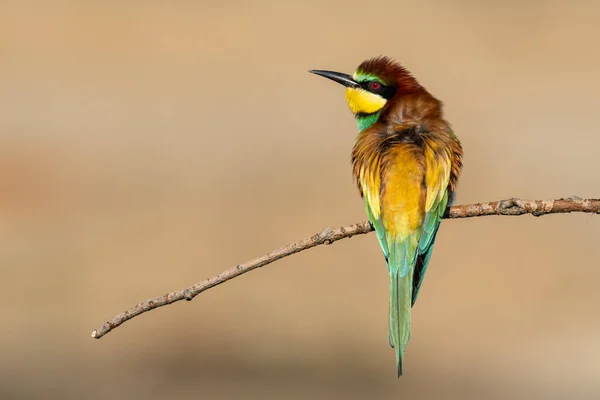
[{"x": 406, "y": 163}]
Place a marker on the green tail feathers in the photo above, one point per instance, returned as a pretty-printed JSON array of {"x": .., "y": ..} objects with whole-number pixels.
[{"x": 400, "y": 306}]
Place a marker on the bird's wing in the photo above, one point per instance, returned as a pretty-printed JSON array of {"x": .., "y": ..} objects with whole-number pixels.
[
  {"x": 370, "y": 182},
  {"x": 438, "y": 163},
  {"x": 377, "y": 224}
]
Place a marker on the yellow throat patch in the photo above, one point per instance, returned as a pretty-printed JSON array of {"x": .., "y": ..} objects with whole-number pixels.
[{"x": 362, "y": 102}]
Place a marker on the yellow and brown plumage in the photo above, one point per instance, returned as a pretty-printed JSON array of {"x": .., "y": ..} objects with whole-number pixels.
[{"x": 406, "y": 163}]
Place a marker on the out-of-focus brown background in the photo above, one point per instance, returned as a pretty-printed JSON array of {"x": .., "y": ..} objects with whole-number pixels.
[{"x": 148, "y": 145}]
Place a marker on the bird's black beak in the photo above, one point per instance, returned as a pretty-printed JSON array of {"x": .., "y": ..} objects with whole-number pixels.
[{"x": 343, "y": 79}]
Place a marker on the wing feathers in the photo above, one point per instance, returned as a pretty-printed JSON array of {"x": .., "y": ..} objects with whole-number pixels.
[{"x": 437, "y": 177}]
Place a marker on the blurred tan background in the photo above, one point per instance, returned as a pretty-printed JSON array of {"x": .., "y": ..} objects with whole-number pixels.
[{"x": 148, "y": 145}]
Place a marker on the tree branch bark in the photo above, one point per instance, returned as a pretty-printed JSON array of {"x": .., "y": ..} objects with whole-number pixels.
[{"x": 328, "y": 236}]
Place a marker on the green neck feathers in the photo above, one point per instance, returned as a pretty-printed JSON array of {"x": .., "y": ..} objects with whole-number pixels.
[{"x": 364, "y": 121}]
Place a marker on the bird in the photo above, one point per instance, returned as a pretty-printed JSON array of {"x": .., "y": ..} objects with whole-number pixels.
[{"x": 406, "y": 162}]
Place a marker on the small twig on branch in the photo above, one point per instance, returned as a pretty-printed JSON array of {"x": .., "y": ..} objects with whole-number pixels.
[{"x": 328, "y": 236}]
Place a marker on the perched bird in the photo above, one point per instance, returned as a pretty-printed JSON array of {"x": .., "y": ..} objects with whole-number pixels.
[{"x": 406, "y": 163}]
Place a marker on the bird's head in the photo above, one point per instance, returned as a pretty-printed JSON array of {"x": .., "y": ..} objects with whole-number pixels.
[{"x": 372, "y": 86}]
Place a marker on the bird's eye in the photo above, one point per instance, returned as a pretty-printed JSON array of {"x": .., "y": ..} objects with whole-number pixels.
[{"x": 374, "y": 85}]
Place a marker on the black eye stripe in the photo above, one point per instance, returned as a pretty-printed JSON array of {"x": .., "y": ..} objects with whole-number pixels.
[{"x": 387, "y": 92}]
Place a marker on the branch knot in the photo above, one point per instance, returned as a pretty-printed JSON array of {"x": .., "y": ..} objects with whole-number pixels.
[
  {"x": 511, "y": 207},
  {"x": 188, "y": 295},
  {"x": 325, "y": 236}
]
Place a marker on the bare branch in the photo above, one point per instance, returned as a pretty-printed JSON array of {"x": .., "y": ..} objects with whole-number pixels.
[{"x": 328, "y": 236}]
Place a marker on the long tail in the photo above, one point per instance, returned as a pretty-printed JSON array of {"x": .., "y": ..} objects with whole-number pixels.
[{"x": 400, "y": 306}]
